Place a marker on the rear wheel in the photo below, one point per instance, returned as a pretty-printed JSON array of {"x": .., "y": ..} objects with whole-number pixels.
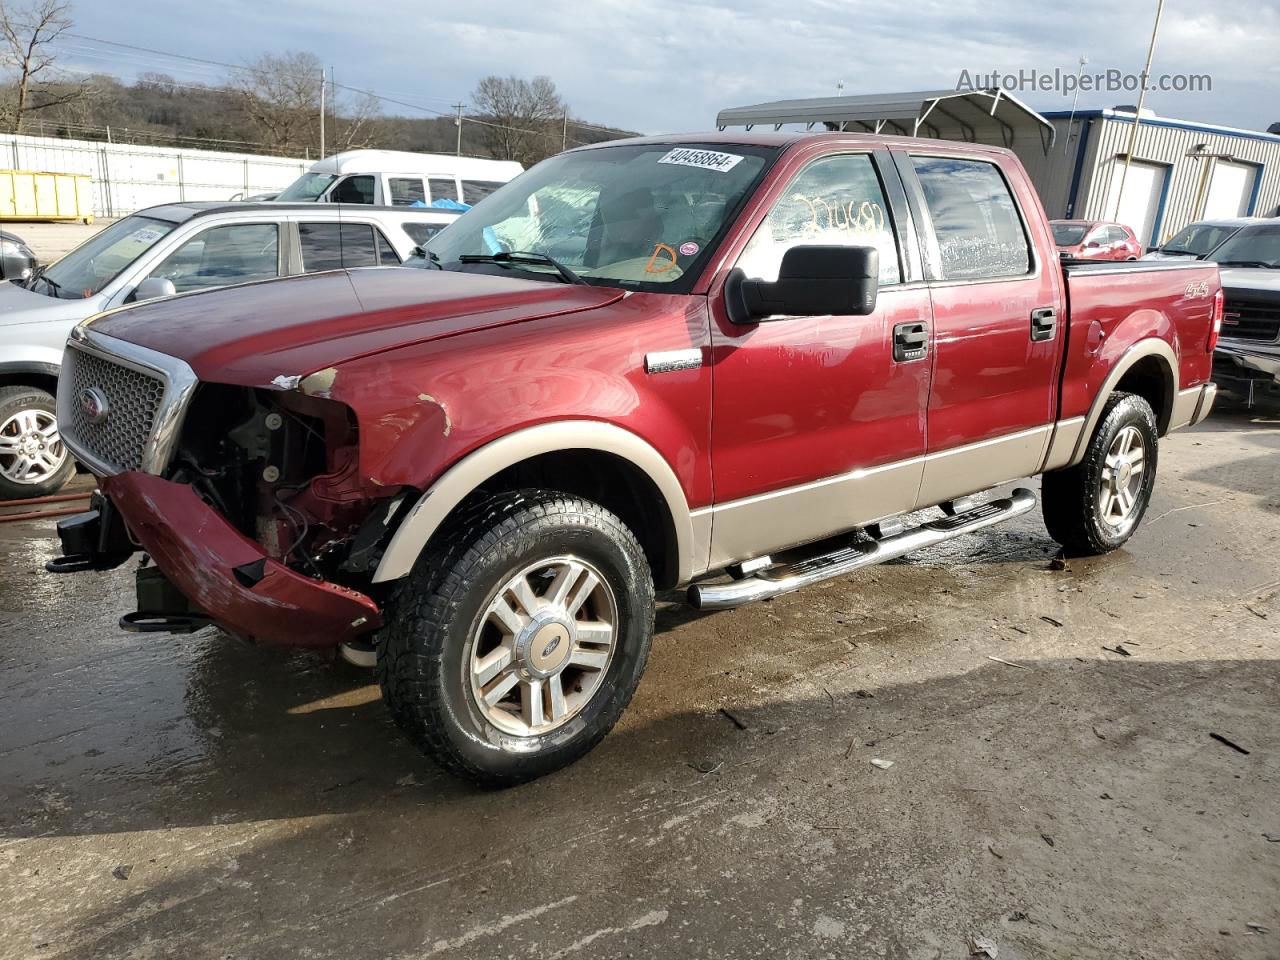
[
  {"x": 33, "y": 460},
  {"x": 1095, "y": 506},
  {"x": 512, "y": 651}
]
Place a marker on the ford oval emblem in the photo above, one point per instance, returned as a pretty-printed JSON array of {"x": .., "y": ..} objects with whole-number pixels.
[
  {"x": 94, "y": 404},
  {"x": 550, "y": 648}
]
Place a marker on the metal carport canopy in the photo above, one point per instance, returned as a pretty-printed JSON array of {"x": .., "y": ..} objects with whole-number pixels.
[{"x": 926, "y": 113}]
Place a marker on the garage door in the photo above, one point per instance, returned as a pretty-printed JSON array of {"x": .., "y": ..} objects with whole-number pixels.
[
  {"x": 1230, "y": 190},
  {"x": 1141, "y": 202}
]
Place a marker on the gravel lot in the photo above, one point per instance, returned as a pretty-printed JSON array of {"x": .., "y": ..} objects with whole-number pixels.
[{"x": 191, "y": 796}]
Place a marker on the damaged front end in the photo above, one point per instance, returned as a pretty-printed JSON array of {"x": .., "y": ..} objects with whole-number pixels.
[{"x": 249, "y": 501}]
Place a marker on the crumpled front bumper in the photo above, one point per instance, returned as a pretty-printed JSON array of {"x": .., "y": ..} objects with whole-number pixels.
[{"x": 227, "y": 576}]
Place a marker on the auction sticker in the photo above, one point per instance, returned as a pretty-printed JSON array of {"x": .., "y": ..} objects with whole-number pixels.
[
  {"x": 705, "y": 159},
  {"x": 688, "y": 248}
]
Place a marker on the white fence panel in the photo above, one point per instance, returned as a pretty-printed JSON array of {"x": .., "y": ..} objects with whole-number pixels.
[{"x": 127, "y": 177}]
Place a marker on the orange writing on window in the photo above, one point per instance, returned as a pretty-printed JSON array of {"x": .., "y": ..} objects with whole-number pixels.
[{"x": 660, "y": 266}]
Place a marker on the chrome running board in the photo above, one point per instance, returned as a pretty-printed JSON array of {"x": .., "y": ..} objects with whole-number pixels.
[{"x": 776, "y": 581}]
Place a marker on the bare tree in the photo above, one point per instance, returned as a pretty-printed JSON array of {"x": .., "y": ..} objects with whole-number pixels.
[
  {"x": 281, "y": 97},
  {"x": 28, "y": 30},
  {"x": 524, "y": 117},
  {"x": 353, "y": 124}
]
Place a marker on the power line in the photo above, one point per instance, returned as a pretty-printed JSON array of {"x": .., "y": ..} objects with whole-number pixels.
[{"x": 382, "y": 97}]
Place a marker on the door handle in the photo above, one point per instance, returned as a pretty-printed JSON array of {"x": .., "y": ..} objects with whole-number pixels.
[
  {"x": 1043, "y": 323},
  {"x": 910, "y": 342}
]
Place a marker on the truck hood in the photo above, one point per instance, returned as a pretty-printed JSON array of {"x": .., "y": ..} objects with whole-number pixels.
[
  {"x": 264, "y": 334},
  {"x": 20, "y": 305},
  {"x": 1251, "y": 278}
]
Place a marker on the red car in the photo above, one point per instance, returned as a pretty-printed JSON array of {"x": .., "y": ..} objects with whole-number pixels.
[
  {"x": 1095, "y": 240},
  {"x": 640, "y": 365}
]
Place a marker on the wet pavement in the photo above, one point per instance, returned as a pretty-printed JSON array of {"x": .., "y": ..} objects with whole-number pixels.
[{"x": 192, "y": 796}]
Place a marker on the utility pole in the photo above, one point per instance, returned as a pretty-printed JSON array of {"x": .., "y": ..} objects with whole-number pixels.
[
  {"x": 1142, "y": 98},
  {"x": 1075, "y": 101},
  {"x": 457, "y": 122},
  {"x": 564, "y": 133},
  {"x": 322, "y": 113}
]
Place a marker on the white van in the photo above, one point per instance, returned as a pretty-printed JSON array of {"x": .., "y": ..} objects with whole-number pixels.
[{"x": 395, "y": 178}]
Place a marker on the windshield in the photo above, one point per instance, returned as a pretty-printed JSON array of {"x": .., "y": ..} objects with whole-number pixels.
[
  {"x": 1198, "y": 239},
  {"x": 642, "y": 216},
  {"x": 1252, "y": 246},
  {"x": 1068, "y": 234},
  {"x": 306, "y": 188},
  {"x": 96, "y": 262}
]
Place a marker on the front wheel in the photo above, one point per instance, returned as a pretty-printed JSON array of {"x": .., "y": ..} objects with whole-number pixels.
[
  {"x": 512, "y": 651},
  {"x": 33, "y": 460},
  {"x": 1095, "y": 506}
]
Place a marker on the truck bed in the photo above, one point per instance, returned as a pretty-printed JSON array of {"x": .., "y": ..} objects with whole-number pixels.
[{"x": 1113, "y": 305}]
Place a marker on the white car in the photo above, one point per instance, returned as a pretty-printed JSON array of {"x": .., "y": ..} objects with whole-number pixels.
[
  {"x": 399, "y": 179},
  {"x": 157, "y": 252}
]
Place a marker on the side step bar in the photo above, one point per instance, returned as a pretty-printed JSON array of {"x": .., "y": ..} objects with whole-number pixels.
[{"x": 779, "y": 580}]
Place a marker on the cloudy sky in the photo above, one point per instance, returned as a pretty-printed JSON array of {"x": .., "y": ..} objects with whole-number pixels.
[{"x": 658, "y": 67}]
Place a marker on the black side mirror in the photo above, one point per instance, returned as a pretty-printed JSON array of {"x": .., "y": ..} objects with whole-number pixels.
[{"x": 813, "y": 281}]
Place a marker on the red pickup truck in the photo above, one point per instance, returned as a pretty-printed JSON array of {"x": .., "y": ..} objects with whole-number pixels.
[{"x": 645, "y": 364}]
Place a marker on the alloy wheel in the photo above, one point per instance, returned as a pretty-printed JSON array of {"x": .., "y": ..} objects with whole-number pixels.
[
  {"x": 31, "y": 450},
  {"x": 1121, "y": 479},
  {"x": 543, "y": 646}
]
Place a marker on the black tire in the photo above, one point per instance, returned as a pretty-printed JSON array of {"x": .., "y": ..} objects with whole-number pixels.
[
  {"x": 1072, "y": 499},
  {"x": 13, "y": 401},
  {"x": 424, "y": 652}
]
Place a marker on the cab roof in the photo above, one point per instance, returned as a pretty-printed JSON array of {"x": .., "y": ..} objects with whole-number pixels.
[{"x": 798, "y": 138}]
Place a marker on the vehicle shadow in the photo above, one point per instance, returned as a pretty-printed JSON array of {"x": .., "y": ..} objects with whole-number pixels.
[{"x": 333, "y": 802}]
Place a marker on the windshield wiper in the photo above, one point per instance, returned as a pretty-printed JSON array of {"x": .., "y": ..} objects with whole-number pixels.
[
  {"x": 1247, "y": 263},
  {"x": 523, "y": 256}
]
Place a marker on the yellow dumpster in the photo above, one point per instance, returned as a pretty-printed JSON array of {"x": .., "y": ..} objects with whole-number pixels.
[{"x": 33, "y": 195}]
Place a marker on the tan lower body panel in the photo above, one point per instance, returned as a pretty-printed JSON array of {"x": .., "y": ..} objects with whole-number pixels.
[
  {"x": 773, "y": 521},
  {"x": 1063, "y": 443},
  {"x": 1185, "y": 403},
  {"x": 784, "y": 518},
  {"x": 979, "y": 466}
]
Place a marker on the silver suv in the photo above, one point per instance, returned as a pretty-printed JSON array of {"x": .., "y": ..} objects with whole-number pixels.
[{"x": 158, "y": 252}]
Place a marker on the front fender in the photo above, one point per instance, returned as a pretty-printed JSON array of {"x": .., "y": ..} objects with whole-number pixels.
[{"x": 460, "y": 480}]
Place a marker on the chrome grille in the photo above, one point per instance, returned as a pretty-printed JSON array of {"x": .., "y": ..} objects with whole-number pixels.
[
  {"x": 121, "y": 405},
  {"x": 133, "y": 400}
]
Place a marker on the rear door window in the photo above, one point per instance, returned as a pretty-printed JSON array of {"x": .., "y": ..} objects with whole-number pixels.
[
  {"x": 406, "y": 191},
  {"x": 387, "y": 255},
  {"x": 235, "y": 253},
  {"x": 333, "y": 246},
  {"x": 980, "y": 234}
]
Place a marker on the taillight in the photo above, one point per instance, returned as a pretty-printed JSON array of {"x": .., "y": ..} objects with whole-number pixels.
[{"x": 1215, "y": 318}]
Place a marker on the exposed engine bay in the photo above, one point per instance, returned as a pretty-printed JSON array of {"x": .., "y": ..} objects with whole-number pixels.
[{"x": 283, "y": 469}]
